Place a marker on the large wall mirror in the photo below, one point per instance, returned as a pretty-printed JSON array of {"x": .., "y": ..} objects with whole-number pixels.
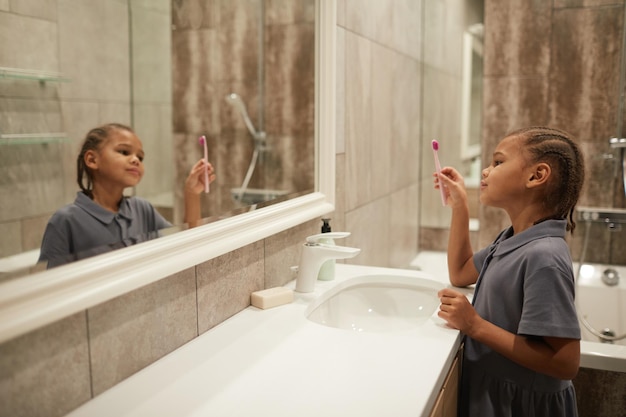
[
  {"x": 240, "y": 73},
  {"x": 256, "y": 151}
]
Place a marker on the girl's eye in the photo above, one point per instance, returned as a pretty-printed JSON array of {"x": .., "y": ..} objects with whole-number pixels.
[
  {"x": 496, "y": 163},
  {"x": 123, "y": 152},
  {"x": 140, "y": 157}
]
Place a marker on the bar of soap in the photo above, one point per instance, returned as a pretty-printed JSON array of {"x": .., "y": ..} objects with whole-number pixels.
[{"x": 271, "y": 297}]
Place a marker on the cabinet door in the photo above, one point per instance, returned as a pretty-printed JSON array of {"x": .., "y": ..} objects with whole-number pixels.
[{"x": 447, "y": 402}]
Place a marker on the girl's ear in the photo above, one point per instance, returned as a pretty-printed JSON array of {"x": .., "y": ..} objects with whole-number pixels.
[
  {"x": 539, "y": 175},
  {"x": 91, "y": 159}
]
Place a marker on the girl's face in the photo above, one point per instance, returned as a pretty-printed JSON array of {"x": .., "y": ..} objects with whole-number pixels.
[
  {"x": 119, "y": 161},
  {"x": 504, "y": 181}
]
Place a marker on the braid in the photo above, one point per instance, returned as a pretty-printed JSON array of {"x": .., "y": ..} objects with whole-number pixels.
[
  {"x": 95, "y": 137},
  {"x": 556, "y": 148}
]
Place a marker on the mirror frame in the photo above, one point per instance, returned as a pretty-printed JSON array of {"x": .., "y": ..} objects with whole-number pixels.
[{"x": 34, "y": 301}]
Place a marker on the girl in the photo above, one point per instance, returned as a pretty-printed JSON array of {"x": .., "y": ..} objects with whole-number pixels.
[
  {"x": 522, "y": 337},
  {"x": 101, "y": 217}
]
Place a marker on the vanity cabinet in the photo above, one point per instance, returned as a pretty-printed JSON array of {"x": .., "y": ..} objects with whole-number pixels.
[{"x": 446, "y": 403}]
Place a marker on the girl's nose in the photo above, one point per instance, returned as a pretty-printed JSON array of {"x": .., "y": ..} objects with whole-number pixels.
[
  {"x": 135, "y": 159},
  {"x": 485, "y": 172}
]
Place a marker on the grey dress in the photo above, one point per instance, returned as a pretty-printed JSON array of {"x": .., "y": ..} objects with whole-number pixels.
[
  {"x": 84, "y": 228},
  {"x": 526, "y": 286}
]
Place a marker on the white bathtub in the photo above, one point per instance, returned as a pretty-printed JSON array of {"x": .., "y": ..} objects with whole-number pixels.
[{"x": 603, "y": 306}]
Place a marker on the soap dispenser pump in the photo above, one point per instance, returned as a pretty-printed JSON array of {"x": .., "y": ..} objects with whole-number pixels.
[{"x": 327, "y": 271}]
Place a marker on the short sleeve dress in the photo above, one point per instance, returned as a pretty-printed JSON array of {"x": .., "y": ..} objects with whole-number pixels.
[
  {"x": 526, "y": 286},
  {"x": 84, "y": 229}
]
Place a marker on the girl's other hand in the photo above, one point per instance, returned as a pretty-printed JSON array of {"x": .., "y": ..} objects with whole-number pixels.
[
  {"x": 453, "y": 185},
  {"x": 195, "y": 181},
  {"x": 457, "y": 311}
]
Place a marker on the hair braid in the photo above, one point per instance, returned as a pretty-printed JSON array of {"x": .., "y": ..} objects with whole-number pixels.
[{"x": 556, "y": 148}]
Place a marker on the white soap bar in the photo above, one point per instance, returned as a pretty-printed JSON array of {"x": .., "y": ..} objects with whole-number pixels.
[{"x": 271, "y": 297}]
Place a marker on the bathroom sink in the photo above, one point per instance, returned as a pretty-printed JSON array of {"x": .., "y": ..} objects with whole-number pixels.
[{"x": 377, "y": 303}]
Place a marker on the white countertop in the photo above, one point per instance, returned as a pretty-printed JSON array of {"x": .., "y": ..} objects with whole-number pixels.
[{"x": 276, "y": 362}]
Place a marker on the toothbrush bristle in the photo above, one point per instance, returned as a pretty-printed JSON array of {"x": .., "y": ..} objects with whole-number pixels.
[
  {"x": 435, "y": 145},
  {"x": 202, "y": 140}
]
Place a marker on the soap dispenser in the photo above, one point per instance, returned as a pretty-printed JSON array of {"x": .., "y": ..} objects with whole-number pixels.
[{"x": 327, "y": 271}]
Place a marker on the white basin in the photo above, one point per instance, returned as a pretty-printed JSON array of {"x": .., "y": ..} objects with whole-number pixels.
[{"x": 377, "y": 303}]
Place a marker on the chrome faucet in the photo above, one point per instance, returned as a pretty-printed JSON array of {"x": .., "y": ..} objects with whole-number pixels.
[{"x": 314, "y": 254}]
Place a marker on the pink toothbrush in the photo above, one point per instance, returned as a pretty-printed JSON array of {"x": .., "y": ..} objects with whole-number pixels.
[
  {"x": 202, "y": 141},
  {"x": 435, "y": 145}
]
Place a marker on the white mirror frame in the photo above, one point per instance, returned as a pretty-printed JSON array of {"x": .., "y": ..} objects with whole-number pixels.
[{"x": 43, "y": 298}]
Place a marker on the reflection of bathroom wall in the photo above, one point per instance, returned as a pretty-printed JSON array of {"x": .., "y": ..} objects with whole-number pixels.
[
  {"x": 568, "y": 80},
  {"x": 217, "y": 51},
  {"x": 151, "y": 72},
  {"x": 88, "y": 43},
  {"x": 444, "y": 26}
]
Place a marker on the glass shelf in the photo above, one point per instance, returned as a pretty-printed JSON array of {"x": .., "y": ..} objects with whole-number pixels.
[
  {"x": 35, "y": 75},
  {"x": 32, "y": 138}
]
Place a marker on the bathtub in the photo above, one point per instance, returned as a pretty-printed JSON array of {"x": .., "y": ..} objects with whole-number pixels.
[{"x": 603, "y": 306}]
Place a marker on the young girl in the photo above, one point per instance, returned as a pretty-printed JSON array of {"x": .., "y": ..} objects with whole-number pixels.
[
  {"x": 101, "y": 217},
  {"x": 522, "y": 337}
]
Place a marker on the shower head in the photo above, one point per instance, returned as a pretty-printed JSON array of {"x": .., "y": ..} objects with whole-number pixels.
[{"x": 236, "y": 101}]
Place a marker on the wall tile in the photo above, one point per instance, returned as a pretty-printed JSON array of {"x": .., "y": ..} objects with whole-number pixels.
[
  {"x": 600, "y": 393},
  {"x": 516, "y": 41},
  {"x": 129, "y": 332},
  {"x": 225, "y": 284},
  {"x": 42, "y": 9},
  {"x": 340, "y": 115},
  {"x": 46, "y": 372},
  {"x": 94, "y": 53},
  {"x": 585, "y": 3},
  {"x": 23, "y": 33},
  {"x": 403, "y": 227},
  {"x": 358, "y": 115},
  {"x": 582, "y": 92},
  {"x": 370, "y": 228},
  {"x": 283, "y": 250}
]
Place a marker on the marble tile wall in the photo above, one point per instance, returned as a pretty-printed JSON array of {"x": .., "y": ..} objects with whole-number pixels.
[{"x": 558, "y": 64}]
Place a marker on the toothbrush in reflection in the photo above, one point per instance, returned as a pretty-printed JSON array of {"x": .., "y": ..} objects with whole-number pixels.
[
  {"x": 435, "y": 146},
  {"x": 202, "y": 141}
]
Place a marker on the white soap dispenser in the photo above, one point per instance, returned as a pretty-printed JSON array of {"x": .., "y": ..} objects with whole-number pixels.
[{"x": 327, "y": 271}]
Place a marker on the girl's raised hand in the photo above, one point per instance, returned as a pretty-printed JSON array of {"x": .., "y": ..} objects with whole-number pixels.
[
  {"x": 195, "y": 180},
  {"x": 454, "y": 186}
]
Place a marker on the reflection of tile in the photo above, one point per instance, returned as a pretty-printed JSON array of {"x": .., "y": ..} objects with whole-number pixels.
[
  {"x": 129, "y": 332},
  {"x": 47, "y": 370},
  {"x": 22, "y": 33},
  {"x": 225, "y": 284}
]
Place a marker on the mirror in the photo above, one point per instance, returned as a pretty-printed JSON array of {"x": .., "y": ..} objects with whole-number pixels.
[
  {"x": 452, "y": 105},
  {"x": 42, "y": 298},
  {"x": 169, "y": 77}
]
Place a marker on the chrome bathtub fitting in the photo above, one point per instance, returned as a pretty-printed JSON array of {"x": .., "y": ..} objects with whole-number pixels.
[{"x": 610, "y": 277}]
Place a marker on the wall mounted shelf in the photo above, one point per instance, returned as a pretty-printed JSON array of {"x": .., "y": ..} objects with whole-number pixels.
[
  {"x": 35, "y": 75},
  {"x": 32, "y": 138}
]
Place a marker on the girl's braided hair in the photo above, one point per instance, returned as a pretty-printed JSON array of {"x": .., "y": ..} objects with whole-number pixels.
[
  {"x": 556, "y": 148},
  {"x": 95, "y": 137}
]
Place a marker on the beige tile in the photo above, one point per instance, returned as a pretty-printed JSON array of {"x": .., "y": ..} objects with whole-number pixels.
[
  {"x": 32, "y": 231},
  {"x": 586, "y": 3},
  {"x": 24, "y": 33},
  {"x": 370, "y": 228},
  {"x": 403, "y": 228},
  {"x": 340, "y": 97},
  {"x": 287, "y": 11},
  {"x": 358, "y": 114},
  {"x": 4, "y": 5},
  {"x": 42, "y": 9},
  {"x": 94, "y": 50},
  {"x": 385, "y": 63},
  {"x": 46, "y": 372},
  {"x": 10, "y": 238},
  {"x": 225, "y": 284},
  {"x": 132, "y": 331}
]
